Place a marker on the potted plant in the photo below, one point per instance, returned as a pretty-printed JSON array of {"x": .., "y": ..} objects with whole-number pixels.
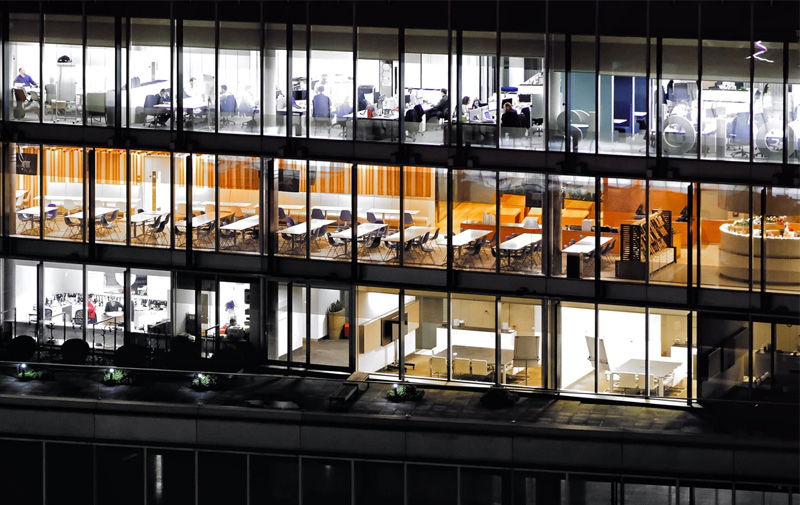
[{"x": 336, "y": 319}]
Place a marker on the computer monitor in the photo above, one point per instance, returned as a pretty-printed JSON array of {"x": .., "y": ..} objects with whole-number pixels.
[
  {"x": 525, "y": 98},
  {"x": 300, "y": 94},
  {"x": 487, "y": 115},
  {"x": 408, "y": 99},
  {"x": 475, "y": 116},
  {"x": 505, "y": 101}
]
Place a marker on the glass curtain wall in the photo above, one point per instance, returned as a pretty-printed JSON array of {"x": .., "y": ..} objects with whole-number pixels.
[
  {"x": 299, "y": 99},
  {"x": 149, "y": 313},
  {"x": 199, "y": 76},
  {"x": 23, "y": 67},
  {"x": 100, "y": 67},
  {"x": 520, "y": 242},
  {"x": 768, "y": 106},
  {"x": 111, "y": 192},
  {"x": 151, "y": 203},
  {"x": 556, "y": 93},
  {"x": 621, "y": 351},
  {"x": 671, "y": 354},
  {"x": 62, "y": 69},
  {"x": 331, "y": 79},
  {"x": 239, "y": 102},
  {"x": 64, "y": 181},
  {"x": 329, "y": 334},
  {"x": 572, "y": 205},
  {"x": 105, "y": 289},
  {"x": 239, "y": 186},
  {"x": 779, "y": 244},
  {"x": 582, "y": 104},
  {"x": 331, "y": 210},
  {"x": 425, "y": 346},
  {"x": 478, "y": 74},
  {"x": 675, "y": 99},
  {"x": 622, "y": 97},
  {"x": 181, "y": 209},
  {"x": 521, "y": 81},
  {"x": 20, "y": 281},
  {"x": 624, "y": 228},
  {"x": 377, "y": 91},
  {"x": 274, "y": 68},
  {"x": 24, "y": 164},
  {"x": 63, "y": 295},
  {"x": 426, "y": 85},
  {"x": 726, "y": 231},
  {"x": 673, "y": 196},
  {"x": 575, "y": 348},
  {"x": 793, "y": 106},
  {"x": 149, "y": 90},
  {"x": 206, "y": 214}
]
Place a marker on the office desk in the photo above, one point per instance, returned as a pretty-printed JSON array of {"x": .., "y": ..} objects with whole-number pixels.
[
  {"x": 242, "y": 226},
  {"x": 462, "y": 239},
  {"x": 391, "y": 212},
  {"x": 329, "y": 208},
  {"x": 409, "y": 233},
  {"x": 98, "y": 211},
  {"x": 143, "y": 217},
  {"x": 520, "y": 242},
  {"x": 303, "y": 228},
  {"x": 362, "y": 231},
  {"x": 576, "y": 251},
  {"x": 661, "y": 370}
]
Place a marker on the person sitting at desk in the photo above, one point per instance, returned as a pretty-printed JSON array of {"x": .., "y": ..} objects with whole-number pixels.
[
  {"x": 24, "y": 79},
  {"x": 510, "y": 118},
  {"x": 161, "y": 98},
  {"x": 321, "y": 104},
  {"x": 441, "y": 109},
  {"x": 344, "y": 108}
]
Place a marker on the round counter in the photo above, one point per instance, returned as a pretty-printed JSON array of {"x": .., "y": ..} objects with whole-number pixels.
[{"x": 782, "y": 255}]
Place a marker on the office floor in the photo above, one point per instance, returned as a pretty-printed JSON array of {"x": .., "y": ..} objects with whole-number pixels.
[{"x": 324, "y": 352}]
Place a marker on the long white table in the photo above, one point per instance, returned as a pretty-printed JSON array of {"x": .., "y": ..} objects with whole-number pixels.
[
  {"x": 143, "y": 217},
  {"x": 362, "y": 230},
  {"x": 391, "y": 212},
  {"x": 410, "y": 233},
  {"x": 576, "y": 251},
  {"x": 329, "y": 208},
  {"x": 242, "y": 226},
  {"x": 303, "y": 228},
  {"x": 658, "y": 369},
  {"x": 197, "y": 221},
  {"x": 30, "y": 211},
  {"x": 520, "y": 242},
  {"x": 98, "y": 211}
]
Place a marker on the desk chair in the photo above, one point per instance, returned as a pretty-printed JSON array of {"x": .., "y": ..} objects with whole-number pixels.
[
  {"x": 50, "y": 217},
  {"x": 95, "y": 106},
  {"x": 150, "y": 110},
  {"x": 334, "y": 245},
  {"x": 345, "y": 219},
  {"x": 739, "y": 135},
  {"x": 28, "y": 222},
  {"x": 461, "y": 367},
  {"x": 227, "y": 110},
  {"x": 438, "y": 366},
  {"x": 480, "y": 367},
  {"x": 20, "y": 99}
]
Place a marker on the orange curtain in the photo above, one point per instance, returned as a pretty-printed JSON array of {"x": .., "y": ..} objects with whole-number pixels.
[
  {"x": 110, "y": 166},
  {"x": 202, "y": 170},
  {"x": 238, "y": 173},
  {"x": 418, "y": 182},
  {"x": 62, "y": 164},
  {"x": 385, "y": 181}
]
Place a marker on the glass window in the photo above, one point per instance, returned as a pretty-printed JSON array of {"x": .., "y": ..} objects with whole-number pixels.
[
  {"x": 725, "y": 115},
  {"x": 204, "y": 207},
  {"x": 722, "y": 357},
  {"x": 378, "y": 483},
  {"x": 149, "y": 312},
  {"x": 669, "y": 352},
  {"x": 105, "y": 288},
  {"x": 291, "y": 184},
  {"x": 20, "y": 279},
  {"x": 151, "y": 201},
  {"x": 377, "y": 319},
  {"x": 775, "y": 348},
  {"x": 767, "y": 102},
  {"x": 331, "y": 77},
  {"x": 578, "y": 489},
  {"x": 170, "y": 477},
  {"x": 331, "y": 209},
  {"x": 24, "y": 67},
  {"x": 221, "y": 478},
  {"x": 150, "y": 80},
  {"x": 119, "y": 475},
  {"x": 673, "y": 196},
  {"x": 425, "y": 211},
  {"x": 572, "y": 200},
  {"x": 63, "y": 296},
  {"x": 24, "y": 162},
  {"x": 793, "y": 106},
  {"x": 275, "y": 94},
  {"x": 725, "y": 236},
  {"x": 520, "y": 243},
  {"x": 377, "y": 89},
  {"x": 521, "y": 342},
  {"x": 478, "y": 72},
  {"x": 240, "y": 78},
  {"x": 278, "y": 313},
  {"x": 556, "y": 96},
  {"x": 239, "y": 185},
  {"x": 274, "y": 480},
  {"x": 426, "y": 83},
  {"x": 760, "y": 497},
  {"x": 623, "y": 95},
  {"x": 621, "y": 351},
  {"x": 199, "y": 96},
  {"x": 379, "y": 212},
  {"x": 100, "y": 67},
  {"x": 180, "y": 189},
  {"x": 111, "y": 192},
  {"x": 21, "y": 484},
  {"x": 677, "y": 98},
  {"x": 657, "y": 494},
  {"x": 582, "y": 100},
  {"x": 426, "y": 338},
  {"x": 474, "y": 219},
  {"x": 326, "y": 481},
  {"x": 68, "y": 473},
  {"x": 473, "y": 338},
  {"x": 624, "y": 229},
  {"x": 781, "y": 239},
  {"x": 64, "y": 187},
  {"x": 521, "y": 67},
  {"x": 576, "y": 347},
  {"x": 708, "y": 495},
  {"x": 297, "y": 350},
  {"x": 426, "y": 484},
  {"x": 480, "y": 486},
  {"x": 299, "y": 99},
  {"x": 62, "y": 68},
  {"x": 329, "y": 335}
]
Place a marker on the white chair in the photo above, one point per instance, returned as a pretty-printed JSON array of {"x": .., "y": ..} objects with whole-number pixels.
[
  {"x": 460, "y": 366},
  {"x": 480, "y": 367},
  {"x": 438, "y": 366},
  {"x": 626, "y": 381}
]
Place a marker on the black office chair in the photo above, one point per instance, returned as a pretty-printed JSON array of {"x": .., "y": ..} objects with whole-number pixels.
[{"x": 150, "y": 110}]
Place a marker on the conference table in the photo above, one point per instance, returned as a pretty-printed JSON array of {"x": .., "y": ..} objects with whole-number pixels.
[
  {"x": 301, "y": 229},
  {"x": 483, "y": 353},
  {"x": 98, "y": 211},
  {"x": 518, "y": 243},
  {"x": 241, "y": 226},
  {"x": 465, "y": 238},
  {"x": 410, "y": 233},
  {"x": 362, "y": 230},
  {"x": 142, "y": 218},
  {"x": 661, "y": 370},
  {"x": 578, "y": 250}
]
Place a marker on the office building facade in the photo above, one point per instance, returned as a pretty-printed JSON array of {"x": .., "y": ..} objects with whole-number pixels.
[{"x": 574, "y": 199}]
